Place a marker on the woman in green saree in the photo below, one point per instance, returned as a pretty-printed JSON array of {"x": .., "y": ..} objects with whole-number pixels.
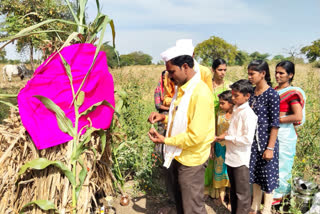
[{"x": 213, "y": 172}]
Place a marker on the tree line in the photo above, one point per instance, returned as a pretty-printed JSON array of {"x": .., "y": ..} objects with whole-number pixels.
[{"x": 20, "y": 14}]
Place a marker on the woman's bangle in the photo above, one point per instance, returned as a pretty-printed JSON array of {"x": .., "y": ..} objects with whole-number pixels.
[{"x": 270, "y": 148}]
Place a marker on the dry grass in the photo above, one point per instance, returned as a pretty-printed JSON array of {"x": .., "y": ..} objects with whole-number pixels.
[
  {"x": 146, "y": 76},
  {"x": 16, "y": 148}
]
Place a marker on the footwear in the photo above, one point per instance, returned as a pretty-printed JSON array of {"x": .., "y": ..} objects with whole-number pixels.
[{"x": 276, "y": 201}]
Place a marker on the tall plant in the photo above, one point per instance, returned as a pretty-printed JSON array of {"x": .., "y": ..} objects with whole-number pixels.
[{"x": 86, "y": 33}]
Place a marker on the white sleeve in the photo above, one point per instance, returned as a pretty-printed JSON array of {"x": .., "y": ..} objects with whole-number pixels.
[{"x": 248, "y": 126}]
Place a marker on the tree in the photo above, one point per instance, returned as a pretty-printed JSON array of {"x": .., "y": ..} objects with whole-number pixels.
[
  {"x": 293, "y": 52},
  {"x": 111, "y": 55},
  {"x": 259, "y": 56},
  {"x": 20, "y": 14},
  {"x": 312, "y": 51},
  {"x": 278, "y": 58},
  {"x": 160, "y": 62},
  {"x": 242, "y": 57},
  {"x": 135, "y": 58},
  {"x": 214, "y": 48}
]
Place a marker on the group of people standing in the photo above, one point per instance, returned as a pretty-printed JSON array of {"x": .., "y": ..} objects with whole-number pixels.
[{"x": 216, "y": 135}]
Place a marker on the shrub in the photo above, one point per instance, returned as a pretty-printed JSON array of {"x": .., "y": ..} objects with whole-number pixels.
[{"x": 133, "y": 150}]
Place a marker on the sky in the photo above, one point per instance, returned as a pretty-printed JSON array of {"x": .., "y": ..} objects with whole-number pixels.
[{"x": 267, "y": 26}]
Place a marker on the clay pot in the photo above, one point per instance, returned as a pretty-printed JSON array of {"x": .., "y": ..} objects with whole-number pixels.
[{"x": 124, "y": 201}]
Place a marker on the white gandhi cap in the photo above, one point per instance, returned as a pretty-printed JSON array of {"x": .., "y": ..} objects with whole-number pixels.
[{"x": 183, "y": 47}]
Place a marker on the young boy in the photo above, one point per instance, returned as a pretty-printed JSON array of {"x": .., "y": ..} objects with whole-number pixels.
[{"x": 239, "y": 138}]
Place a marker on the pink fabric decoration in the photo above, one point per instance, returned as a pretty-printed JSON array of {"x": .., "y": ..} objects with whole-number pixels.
[{"x": 51, "y": 81}]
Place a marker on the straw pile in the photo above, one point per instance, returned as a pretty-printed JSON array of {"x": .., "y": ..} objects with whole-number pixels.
[{"x": 16, "y": 148}]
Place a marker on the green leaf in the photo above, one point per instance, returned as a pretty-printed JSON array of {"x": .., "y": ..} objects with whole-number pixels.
[
  {"x": 48, "y": 21},
  {"x": 123, "y": 144},
  {"x": 94, "y": 106},
  {"x": 9, "y": 104},
  {"x": 80, "y": 98},
  {"x": 64, "y": 123},
  {"x": 82, "y": 177},
  {"x": 104, "y": 25},
  {"x": 12, "y": 38},
  {"x": 96, "y": 26},
  {"x": 119, "y": 105},
  {"x": 103, "y": 138},
  {"x": 8, "y": 95},
  {"x": 113, "y": 33},
  {"x": 81, "y": 14},
  {"x": 80, "y": 149},
  {"x": 89, "y": 132},
  {"x": 94, "y": 153},
  {"x": 98, "y": 6},
  {"x": 68, "y": 71},
  {"x": 123, "y": 94},
  {"x": 42, "y": 204},
  {"x": 42, "y": 163},
  {"x": 72, "y": 12}
]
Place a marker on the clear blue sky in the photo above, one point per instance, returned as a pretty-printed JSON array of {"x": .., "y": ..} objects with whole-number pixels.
[{"x": 269, "y": 26}]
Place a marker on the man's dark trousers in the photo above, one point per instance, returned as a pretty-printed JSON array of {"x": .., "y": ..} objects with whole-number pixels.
[{"x": 188, "y": 187}]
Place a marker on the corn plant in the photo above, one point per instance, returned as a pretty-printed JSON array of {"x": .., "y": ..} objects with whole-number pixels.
[
  {"x": 79, "y": 146},
  {"x": 86, "y": 33},
  {"x": 5, "y": 96}
]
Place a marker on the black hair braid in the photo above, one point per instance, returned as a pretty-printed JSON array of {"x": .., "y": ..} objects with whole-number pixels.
[{"x": 268, "y": 79}]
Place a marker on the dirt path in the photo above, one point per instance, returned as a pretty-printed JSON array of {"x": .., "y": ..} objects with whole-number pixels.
[
  {"x": 151, "y": 205},
  {"x": 141, "y": 202}
]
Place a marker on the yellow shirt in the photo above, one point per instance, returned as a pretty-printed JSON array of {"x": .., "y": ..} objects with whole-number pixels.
[
  {"x": 196, "y": 141},
  {"x": 206, "y": 76}
]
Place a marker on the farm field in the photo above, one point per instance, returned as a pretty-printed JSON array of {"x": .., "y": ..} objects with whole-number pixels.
[
  {"x": 134, "y": 161},
  {"x": 306, "y": 77}
]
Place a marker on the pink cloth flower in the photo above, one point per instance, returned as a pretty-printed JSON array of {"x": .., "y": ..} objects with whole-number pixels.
[{"x": 51, "y": 81}]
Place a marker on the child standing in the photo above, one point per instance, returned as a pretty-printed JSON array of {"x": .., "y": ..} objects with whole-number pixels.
[
  {"x": 220, "y": 175},
  {"x": 239, "y": 138}
]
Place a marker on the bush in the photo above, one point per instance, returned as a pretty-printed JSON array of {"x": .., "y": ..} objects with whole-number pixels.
[
  {"x": 316, "y": 64},
  {"x": 135, "y": 58},
  {"x": 111, "y": 55},
  {"x": 133, "y": 150}
]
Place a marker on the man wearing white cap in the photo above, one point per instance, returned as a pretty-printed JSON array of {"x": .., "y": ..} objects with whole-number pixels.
[
  {"x": 206, "y": 74},
  {"x": 190, "y": 131}
]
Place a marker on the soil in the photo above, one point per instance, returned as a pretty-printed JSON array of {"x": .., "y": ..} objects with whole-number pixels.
[
  {"x": 141, "y": 202},
  {"x": 151, "y": 205}
]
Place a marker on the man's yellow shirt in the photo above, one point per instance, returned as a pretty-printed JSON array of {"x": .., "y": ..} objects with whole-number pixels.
[
  {"x": 196, "y": 141},
  {"x": 206, "y": 76}
]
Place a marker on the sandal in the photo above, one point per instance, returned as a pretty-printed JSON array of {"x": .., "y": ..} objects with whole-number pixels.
[{"x": 276, "y": 201}]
